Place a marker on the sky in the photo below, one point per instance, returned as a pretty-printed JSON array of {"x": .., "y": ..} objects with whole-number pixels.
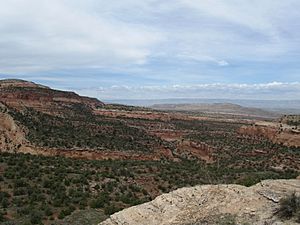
[{"x": 149, "y": 49}]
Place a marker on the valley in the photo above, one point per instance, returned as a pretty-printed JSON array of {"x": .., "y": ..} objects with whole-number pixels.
[{"x": 63, "y": 154}]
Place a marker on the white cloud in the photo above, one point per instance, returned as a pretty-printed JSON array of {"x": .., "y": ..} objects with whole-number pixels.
[
  {"x": 272, "y": 90},
  {"x": 223, "y": 63},
  {"x": 188, "y": 56},
  {"x": 37, "y": 35},
  {"x": 167, "y": 41},
  {"x": 258, "y": 30},
  {"x": 253, "y": 14}
]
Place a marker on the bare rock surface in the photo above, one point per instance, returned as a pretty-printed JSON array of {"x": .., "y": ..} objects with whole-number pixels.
[
  {"x": 287, "y": 137},
  {"x": 12, "y": 137},
  {"x": 20, "y": 94},
  {"x": 211, "y": 204}
]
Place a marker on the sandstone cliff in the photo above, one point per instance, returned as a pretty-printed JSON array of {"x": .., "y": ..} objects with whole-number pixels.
[
  {"x": 212, "y": 204},
  {"x": 19, "y": 94},
  {"x": 273, "y": 133},
  {"x": 12, "y": 137}
]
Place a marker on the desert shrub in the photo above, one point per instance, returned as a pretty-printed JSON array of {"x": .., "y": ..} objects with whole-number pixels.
[
  {"x": 48, "y": 211},
  {"x": 289, "y": 207},
  {"x": 2, "y": 218},
  {"x": 3, "y": 195},
  {"x": 24, "y": 210},
  {"x": 20, "y": 191},
  {"x": 110, "y": 209},
  {"x": 66, "y": 212},
  {"x": 36, "y": 217},
  {"x": 4, "y": 203},
  {"x": 100, "y": 201},
  {"x": 227, "y": 219},
  {"x": 61, "y": 215},
  {"x": 20, "y": 183},
  {"x": 97, "y": 203}
]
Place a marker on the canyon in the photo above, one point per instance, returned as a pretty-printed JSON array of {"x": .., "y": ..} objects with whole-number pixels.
[{"x": 85, "y": 156}]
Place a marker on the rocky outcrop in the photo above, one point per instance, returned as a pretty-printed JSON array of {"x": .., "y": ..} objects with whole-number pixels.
[
  {"x": 200, "y": 150},
  {"x": 212, "y": 204},
  {"x": 259, "y": 131},
  {"x": 273, "y": 133},
  {"x": 19, "y": 94},
  {"x": 12, "y": 137},
  {"x": 9, "y": 83}
]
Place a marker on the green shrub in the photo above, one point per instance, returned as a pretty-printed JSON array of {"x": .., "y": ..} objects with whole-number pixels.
[
  {"x": 5, "y": 203},
  {"x": 36, "y": 217},
  {"x": 95, "y": 204},
  {"x": 100, "y": 201},
  {"x": 289, "y": 207},
  {"x": 2, "y": 218},
  {"x": 226, "y": 219},
  {"x": 61, "y": 215},
  {"x": 110, "y": 209},
  {"x": 48, "y": 211}
]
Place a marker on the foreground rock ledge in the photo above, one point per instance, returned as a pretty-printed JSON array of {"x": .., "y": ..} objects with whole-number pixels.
[{"x": 210, "y": 204}]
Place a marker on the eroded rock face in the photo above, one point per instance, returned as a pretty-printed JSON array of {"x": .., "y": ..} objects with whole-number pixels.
[
  {"x": 210, "y": 204},
  {"x": 274, "y": 134},
  {"x": 20, "y": 94},
  {"x": 12, "y": 136}
]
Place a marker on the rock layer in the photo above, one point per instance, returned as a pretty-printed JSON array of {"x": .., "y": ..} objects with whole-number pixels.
[
  {"x": 274, "y": 134},
  {"x": 208, "y": 204},
  {"x": 20, "y": 94},
  {"x": 12, "y": 137}
]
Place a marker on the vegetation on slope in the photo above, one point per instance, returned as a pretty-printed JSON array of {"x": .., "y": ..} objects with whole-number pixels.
[
  {"x": 290, "y": 207},
  {"x": 45, "y": 190},
  {"x": 83, "y": 130}
]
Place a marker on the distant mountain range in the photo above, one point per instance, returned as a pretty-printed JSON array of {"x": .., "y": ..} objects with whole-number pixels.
[
  {"x": 222, "y": 108},
  {"x": 279, "y": 106}
]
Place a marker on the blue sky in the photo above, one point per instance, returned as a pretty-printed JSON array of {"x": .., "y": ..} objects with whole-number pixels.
[{"x": 155, "y": 49}]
